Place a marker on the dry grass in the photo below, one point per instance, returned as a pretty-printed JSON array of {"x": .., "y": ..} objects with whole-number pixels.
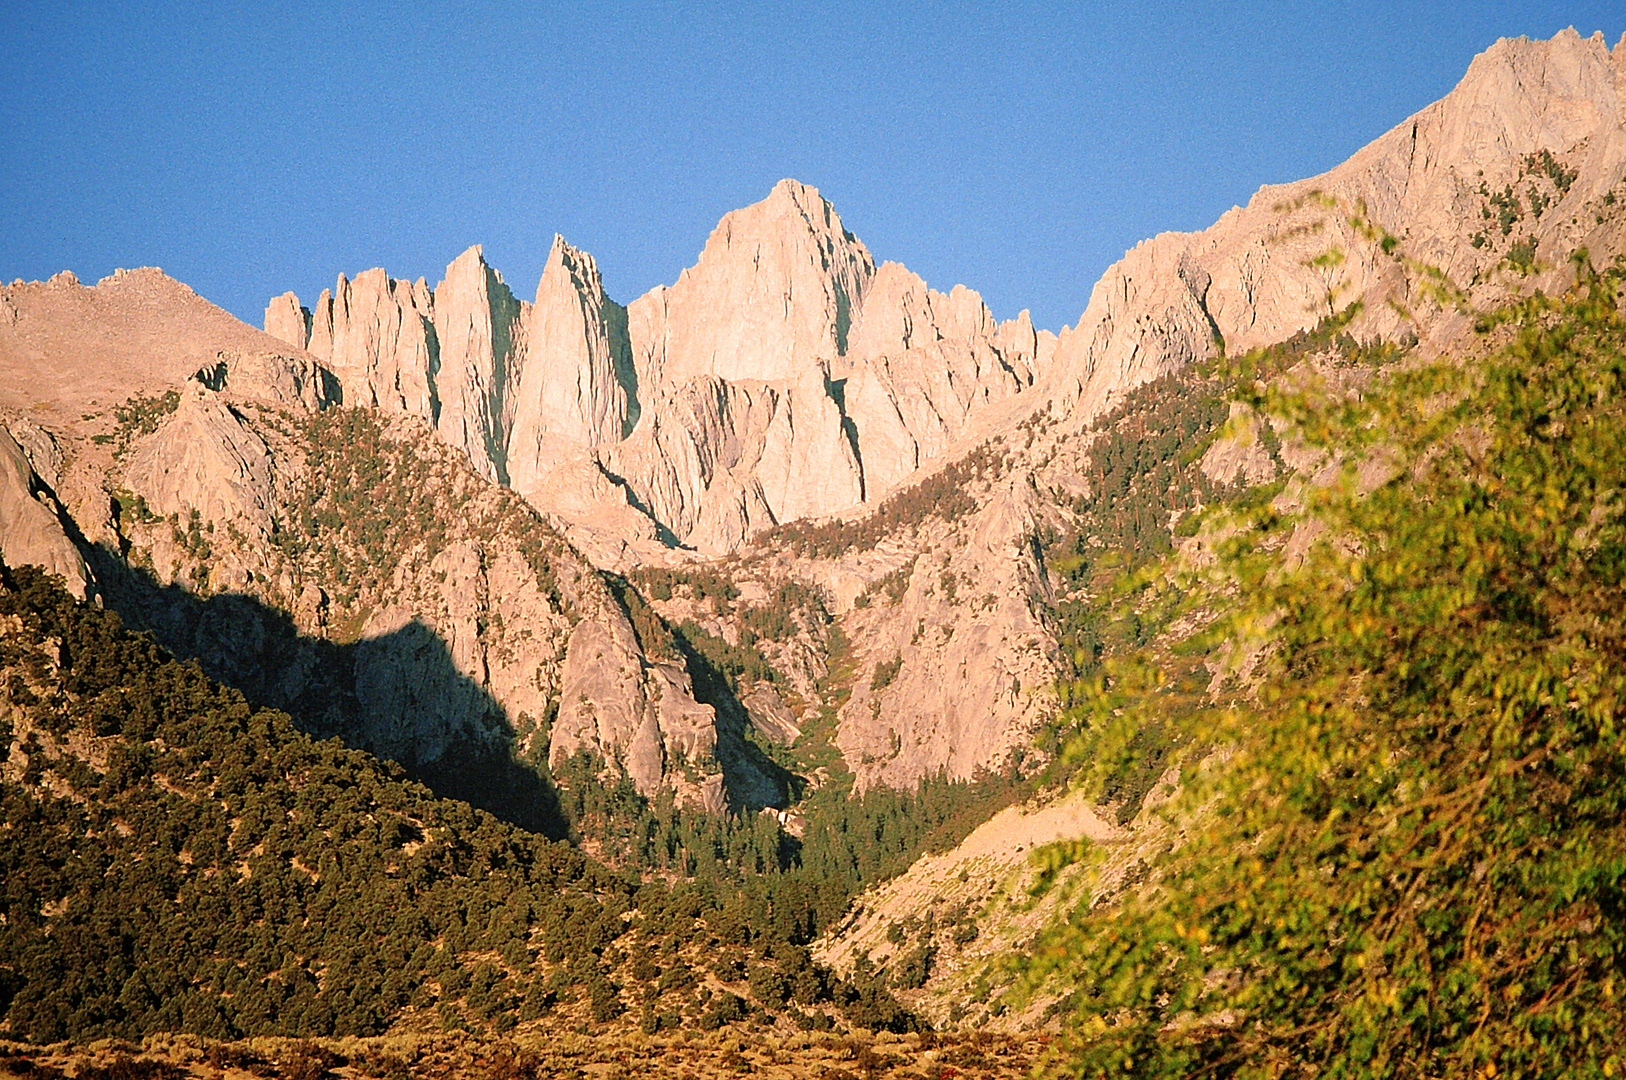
[{"x": 606, "y": 1055}]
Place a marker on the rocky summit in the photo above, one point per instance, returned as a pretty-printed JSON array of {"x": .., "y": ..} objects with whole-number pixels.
[
  {"x": 827, "y": 381},
  {"x": 785, "y": 413},
  {"x": 791, "y": 541}
]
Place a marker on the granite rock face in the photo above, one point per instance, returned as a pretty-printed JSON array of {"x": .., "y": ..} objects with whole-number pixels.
[
  {"x": 787, "y": 277},
  {"x": 375, "y": 335},
  {"x": 195, "y": 508},
  {"x": 923, "y": 364},
  {"x": 491, "y": 641},
  {"x": 32, "y": 524},
  {"x": 956, "y": 672},
  {"x": 446, "y": 356},
  {"x": 1483, "y": 194},
  {"x": 783, "y": 375},
  {"x": 476, "y": 318},
  {"x": 69, "y": 350},
  {"x": 207, "y": 459},
  {"x": 575, "y": 388},
  {"x": 287, "y": 321}
]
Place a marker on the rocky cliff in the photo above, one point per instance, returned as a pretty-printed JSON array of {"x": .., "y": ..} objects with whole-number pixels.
[
  {"x": 1482, "y": 195},
  {"x": 348, "y": 564},
  {"x": 828, "y": 380},
  {"x": 33, "y": 527},
  {"x": 788, "y": 415}
]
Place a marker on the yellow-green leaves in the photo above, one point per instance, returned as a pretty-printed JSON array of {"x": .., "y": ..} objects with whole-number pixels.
[{"x": 1411, "y": 855}]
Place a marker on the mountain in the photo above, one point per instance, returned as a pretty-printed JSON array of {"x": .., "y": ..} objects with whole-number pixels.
[
  {"x": 780, "y": 575},
  {"x": 808, "y": 433},
  {"x": 177, "y": 859},
  {"x": 345, "y": 565},
  {"x": 830, "y": 379},
  {"x": 1492, "y": 187},
  {"x": 1481, "y": 198},
  {"x": 835, "y": 379}
]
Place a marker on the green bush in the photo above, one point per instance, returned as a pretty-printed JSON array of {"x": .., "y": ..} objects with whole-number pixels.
[{"x": 1408, "y": 861}]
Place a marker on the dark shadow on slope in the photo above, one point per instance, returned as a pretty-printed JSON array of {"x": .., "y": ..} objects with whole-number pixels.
[
  {"x": 505, "y": 311},
  {"x": 626, "y": 372},
  {"x": 754, "y": 779},
  {"x": 662, "y": 533},
  {"x": 398, "y": 696},
  {"x": 837, "y": 389},
  {"x": 751, "y": 778}
]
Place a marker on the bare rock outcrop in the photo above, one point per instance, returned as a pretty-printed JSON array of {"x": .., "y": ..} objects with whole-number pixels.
[
  {"x": 476, "y": 319},
  {"x": 208, "y": 498},
  {"x": 375, "y": 333},
  {"x": 74, "y": 350},
  {"x": 790, "y": 278},
  {"x": 43, "y": 450},
  {"x": 206, "y": 460},
  {"x": 923, "y": 365},
  {"x": 809, "y": 464},
  {"x": 781, "y": 376},
  {"x": 878, "y": 373},
  {"x": 957, "y": 672},
  {"x": 572, "y": 389},
  {"x": 287, "y": 321},
  {"x": 638, "y": 712},
  {"x": 1482, "y": 194},
  {"x": 691, "y": 437},
  {"x": 717, "y": 461},
  {"x": 493, "y": 642},
  {"x": 294, "y": 380},
  {"x": 431, "y": 667},
  {"x": 448, "y": 356},
  {"x": 32, "y": 529}
]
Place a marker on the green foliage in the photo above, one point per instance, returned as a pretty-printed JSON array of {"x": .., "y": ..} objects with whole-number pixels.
[
  {"x": 892, "y": 585},
  {"x": 775, "y": 888},
  {"x": 178, "y": 860},
  {"x": 193, "y": 540},
  {"x": 914, "y": 967},
  {"x": 792, "y": 608},
  {"x": 141, "y": 415},
  {"x": 370, "y": 498},
  {"x": 1144, "y": 472},
  {"x": 699, "y": 583},
  {"x": 1411, "y": 859},
  {"x": 654, "y": 636},
  {"x": 214, "y": 870},
  {"x": 945, "y": 494},
  {"x": 132, "y": 507},
  {"x": 1542, "y": 162},
  {"x": 885, "y": 672},
  {"x": 1330, "y": 335},
  {"x": 1505, "y": 203},
  {"x": 1522, "y": 255},
  {"x": 1143, "y": 464},
  {"x": 712, "y": 660},
  {"x": 1142, "y": 468}
]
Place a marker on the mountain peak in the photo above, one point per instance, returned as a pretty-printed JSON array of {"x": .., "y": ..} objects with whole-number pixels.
[
  {"x": 805, "y": 197},
  {"x": 790, "y": 271},
  {"x": 67, "y": 347}
]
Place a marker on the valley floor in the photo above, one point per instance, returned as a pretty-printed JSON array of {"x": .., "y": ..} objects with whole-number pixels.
[{"x": 603, "y": 1056}]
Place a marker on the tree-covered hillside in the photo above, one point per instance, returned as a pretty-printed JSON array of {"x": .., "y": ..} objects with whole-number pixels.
[{"x": 177, "y": 860}]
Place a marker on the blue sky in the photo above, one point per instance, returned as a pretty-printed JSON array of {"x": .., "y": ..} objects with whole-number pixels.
[{"x": 1017, "y": 148}]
